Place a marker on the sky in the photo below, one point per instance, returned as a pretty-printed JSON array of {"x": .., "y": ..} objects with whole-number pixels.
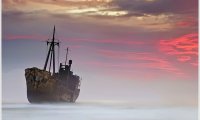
[{"x": 140, "y": 51}]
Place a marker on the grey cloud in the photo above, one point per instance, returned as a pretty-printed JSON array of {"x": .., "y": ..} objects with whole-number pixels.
[
  {"x": 158, "y": 6},
  {"x": 24, "y": 15}
]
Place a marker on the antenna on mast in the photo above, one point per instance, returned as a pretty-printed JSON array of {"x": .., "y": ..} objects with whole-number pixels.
[{"x": 66, "y": 56}]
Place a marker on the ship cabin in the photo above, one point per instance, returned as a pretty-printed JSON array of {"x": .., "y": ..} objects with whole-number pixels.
[
  {"x": 64, "y": 70},
  {"x": 65, "y": 74}
]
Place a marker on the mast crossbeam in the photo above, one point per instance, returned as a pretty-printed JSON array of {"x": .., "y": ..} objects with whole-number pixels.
[{"x": 52, "y": 52}]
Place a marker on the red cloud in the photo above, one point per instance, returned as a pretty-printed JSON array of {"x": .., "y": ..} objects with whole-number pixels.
[{"x": 184, "y": 48}]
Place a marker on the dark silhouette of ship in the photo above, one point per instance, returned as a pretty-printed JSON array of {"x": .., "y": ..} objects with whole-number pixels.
[{"x": 44, "y": 86}]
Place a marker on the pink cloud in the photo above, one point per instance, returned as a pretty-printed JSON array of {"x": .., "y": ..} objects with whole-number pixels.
[
  {"x": 123, "y": 70},
  {"x": 195, "y": 63},
  {"x": 185, "y": 23},
  {"x": 24, "y": 37},
  {"x": 184, "y": 48},
  {"x": 76, "y": 40},
  {"x": 142, "y": 60},
  {"x": 108, "y": 41},
  {"x": 75, "y": 46},
  {"x": 184, "y": 58}
]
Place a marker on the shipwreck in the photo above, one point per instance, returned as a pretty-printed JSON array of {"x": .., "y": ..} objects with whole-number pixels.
[{"x": 46, "y": 86}]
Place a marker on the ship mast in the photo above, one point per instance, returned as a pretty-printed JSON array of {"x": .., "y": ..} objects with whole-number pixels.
[{"x": 52, "y": 52}]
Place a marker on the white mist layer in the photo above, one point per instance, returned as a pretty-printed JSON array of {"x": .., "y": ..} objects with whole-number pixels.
[{"x": 81, "y": 111}]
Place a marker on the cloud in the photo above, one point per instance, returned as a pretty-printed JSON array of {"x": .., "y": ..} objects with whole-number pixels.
[
  {"x": 142, "y": 60},
  {"x": 158, "y": 6},
  {"x": 112, "y": 8},
  {"x": 156, "y": 15},
  {"x": 184, "y": 58},
  {"x": 126, "y": 42},
  {"x": 109, "y": 41},
  {"x": 186, "y": 23},
  {"x": 80, "y": 19},
  {"x": 195, "y": 63},
  {"x": 84, "y": 7},
  {"x": 25, "y": 37},
  {"x": 184, "y": 48}
]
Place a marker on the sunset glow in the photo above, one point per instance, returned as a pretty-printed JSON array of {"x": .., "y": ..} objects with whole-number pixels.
[{"x": 114, "y": 40}]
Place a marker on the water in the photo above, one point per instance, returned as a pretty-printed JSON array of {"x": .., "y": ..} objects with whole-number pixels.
[{"x": 95, "y": 111}]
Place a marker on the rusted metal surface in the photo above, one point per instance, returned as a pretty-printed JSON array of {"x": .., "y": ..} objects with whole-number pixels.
[{"x": 44, "y": 87}]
